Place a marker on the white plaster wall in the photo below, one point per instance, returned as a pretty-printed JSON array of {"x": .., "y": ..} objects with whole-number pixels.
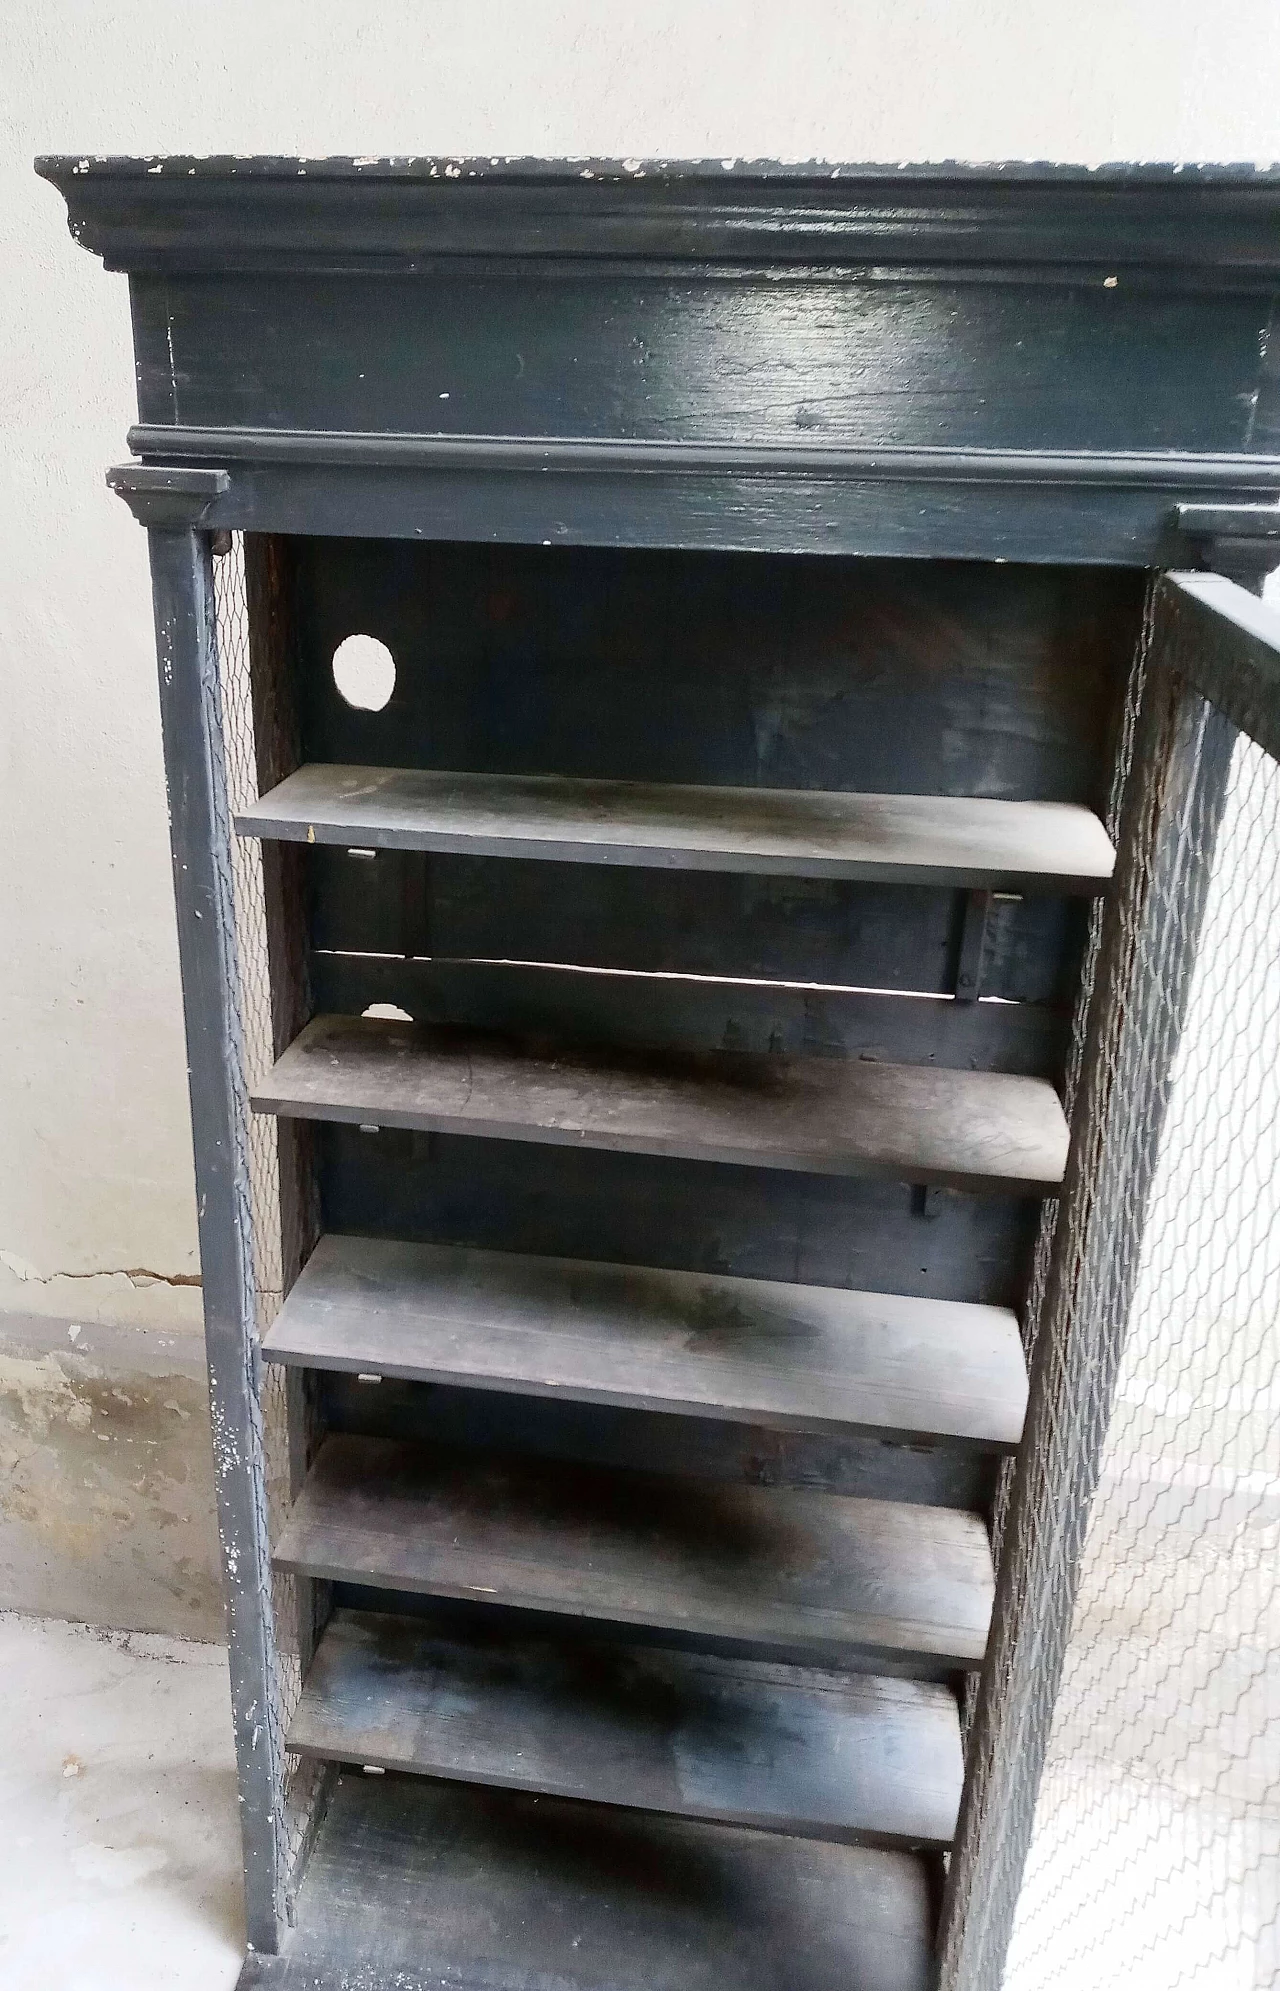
[{"x": 96, "y": 1208}]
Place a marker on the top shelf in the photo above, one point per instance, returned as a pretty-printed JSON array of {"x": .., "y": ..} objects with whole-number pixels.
[{"x": 903, "y": 839}]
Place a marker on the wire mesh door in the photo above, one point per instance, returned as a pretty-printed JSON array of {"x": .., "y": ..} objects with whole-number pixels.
[
  {"x": 1154, "y": 1832},
  {"x": 1155, "y": 1858}
]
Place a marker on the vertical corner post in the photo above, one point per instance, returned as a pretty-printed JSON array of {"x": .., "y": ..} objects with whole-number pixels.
[{"x": 191, "y": 719}]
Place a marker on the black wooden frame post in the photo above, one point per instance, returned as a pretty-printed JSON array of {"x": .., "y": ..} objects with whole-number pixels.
[
  {"x": 1173, "y": 807},
  {"x": 190, "y": 711}
]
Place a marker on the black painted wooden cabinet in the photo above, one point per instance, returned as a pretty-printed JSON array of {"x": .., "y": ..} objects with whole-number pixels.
[{"x": 671, "y": 987}]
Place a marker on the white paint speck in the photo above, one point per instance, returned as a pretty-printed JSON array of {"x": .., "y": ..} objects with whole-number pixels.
[{"x": 74, "y": 1331}]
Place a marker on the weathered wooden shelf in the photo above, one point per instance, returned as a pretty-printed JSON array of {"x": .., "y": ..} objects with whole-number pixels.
[
  {"x": 791, "y": 1574},
  {"x": 414, "y": 1884},
  {"x": 786, "y": 1749},
  {"x": 909, "y": 839},
  {"x": 791, "y": 1358},
  {"x": 829, "y": 1116}
]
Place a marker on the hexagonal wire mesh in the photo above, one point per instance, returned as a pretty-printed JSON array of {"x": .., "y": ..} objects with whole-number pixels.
[
  {"x": 1155, "y": 1838},
  {"x": 297, "y": 1797},
  {"x": 1155, "y": 1859}
]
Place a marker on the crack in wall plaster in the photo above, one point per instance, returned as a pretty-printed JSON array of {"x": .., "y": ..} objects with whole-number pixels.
[{"x": 137, "y": 1275}]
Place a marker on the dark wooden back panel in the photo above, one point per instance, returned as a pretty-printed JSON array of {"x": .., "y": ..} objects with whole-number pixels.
[
  {"x": 952, "y": 678},
  {"x": 789, "y": 672}
]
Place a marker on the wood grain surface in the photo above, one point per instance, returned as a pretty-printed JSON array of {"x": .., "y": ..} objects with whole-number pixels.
[
  {"x": 783, "y": 1572},
  {"x": 802, "y": 1358},
  {"x": 787, "y": 1749},
  {"x": 971, "y": 1130}
]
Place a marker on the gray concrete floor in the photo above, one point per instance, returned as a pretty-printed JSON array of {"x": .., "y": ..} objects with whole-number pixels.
[{"x": 121, "y": 1865}]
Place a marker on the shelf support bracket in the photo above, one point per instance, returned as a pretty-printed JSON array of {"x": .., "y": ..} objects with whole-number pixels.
[
  {"x": 168, "y": 497},
  {"x": 973, "y": 945},
  {"x": 1240, "y": 541}
]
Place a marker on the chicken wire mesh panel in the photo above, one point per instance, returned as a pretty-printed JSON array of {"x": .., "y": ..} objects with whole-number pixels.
[
  {"x": 301, "y": 1776},
  {"x": 1122, "y": 1070},
  {"x": 1155, "y": 1857},
  {"x": 1121, "y": 766}
]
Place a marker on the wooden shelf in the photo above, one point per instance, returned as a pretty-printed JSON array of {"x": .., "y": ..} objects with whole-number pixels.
[
  {"x": 830, "y": 1116},
  {"x": 814, "y": 1576},
  {"x": 791, "y": 1358},
  {"x": 907, "y": 839},
  {"x": 414, "y": 1883},
  {"x": 787, "y": 1749}
]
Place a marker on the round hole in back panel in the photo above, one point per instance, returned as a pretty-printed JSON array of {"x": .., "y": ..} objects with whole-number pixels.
[{"x": 364, "y": 671}]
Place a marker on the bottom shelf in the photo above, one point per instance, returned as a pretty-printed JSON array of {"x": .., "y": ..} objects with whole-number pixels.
[{"x": 415, "y": 1886}]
